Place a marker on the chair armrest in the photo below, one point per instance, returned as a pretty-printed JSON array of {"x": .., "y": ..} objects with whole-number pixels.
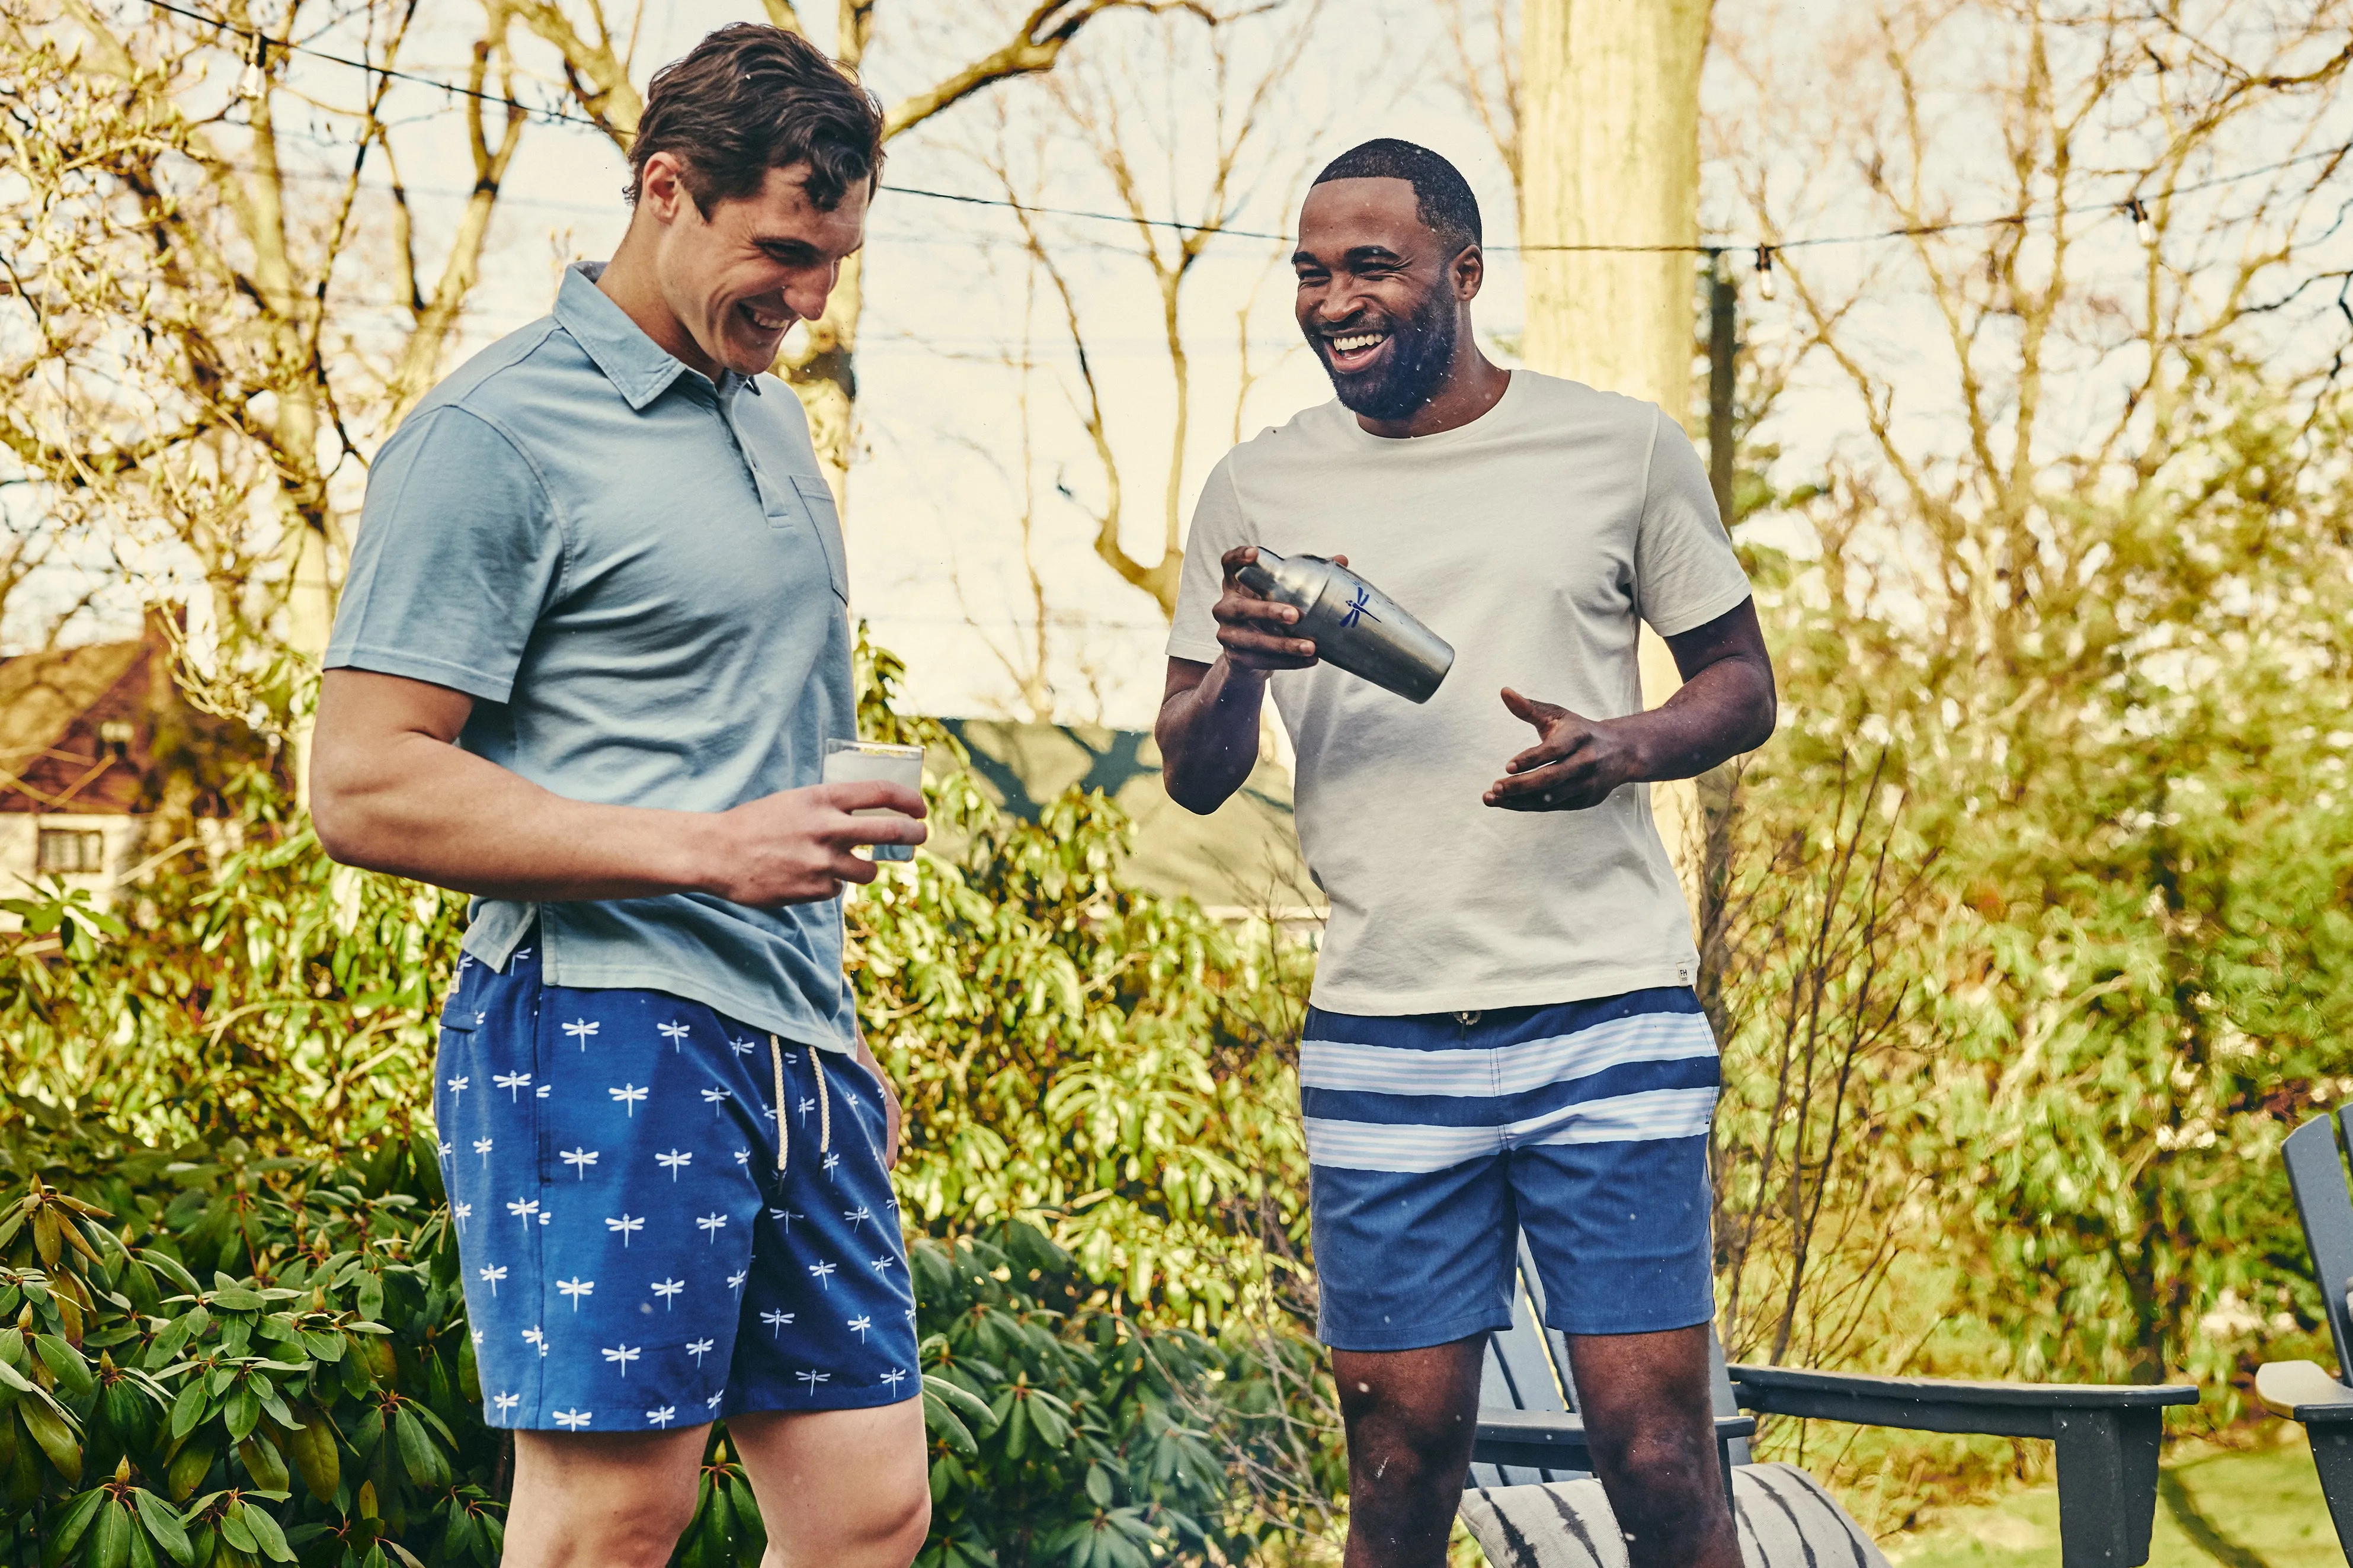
[
  {"x": 1567, "y": 1425},
  {"x": 1940, "y": 1404},
  {"x": 1555, "y": 1439},
  {"x": 2303, "y": 1391}
]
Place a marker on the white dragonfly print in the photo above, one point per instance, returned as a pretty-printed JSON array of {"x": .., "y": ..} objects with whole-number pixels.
[
  {"x": 523, "y": 1209},
  {"x": 860, "y": 1326},
  {"x": 520, "y": 953},
  {"x": 742, "y": 1048},
  {"x": 483, "y": 1147},
  {"x": 821, "y": 1273},
  {"x": 582, "y": 1158},
  {"x": 514, "y": 1083},
  {"x": 674, "y": 1161},
  {"x": 894, "y": 1377},
  {"x": 698, "y": 1348},
  {"x": 882, "y": 1265},
  {"x": 574, "y": 1420},
  {"x": 735, "y": 1281},
  {"x": 457, "y": 1087},
  {"x": 713, "y": 1223},
  {"x": 830, "y": 1162},
  {"x": 813, "y": 1379},
  {"x": 856, "y": 1217},
  {"x": 676, "y": 1034},
  {"x": 742, "y": 1156},
  {"x": 777, "y": 1321},
  {"x": 447, "y": 1149},
  {"x": 576, "y": 1288},
  {"x": 667, "y": 1290},
  {"x": 715, "y": 1098},
  {"x": 491, "y": 1275},
  {"x": 461, "y": 1213},
  {"x": 787, "y": 1216},
  {"x": 712, "y": 1402},
  {"x": 626, "y": 1226},
  {"x": 662, "y": 1417},
  {"x": 623, "y": 1355},
  {"x": 580, "y": 1029},
  {"x": 805, "y": 1107},
  {"x": 630, "y": 1095},
  {"x": 503, "y": 1403},
  {"x": 536, "y": 1337}
]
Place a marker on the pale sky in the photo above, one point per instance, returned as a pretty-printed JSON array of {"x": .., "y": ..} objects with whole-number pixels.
[{"x": 935, "y": 493}]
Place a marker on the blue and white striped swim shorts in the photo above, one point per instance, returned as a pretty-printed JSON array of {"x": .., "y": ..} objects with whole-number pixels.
[
  {"x": 1435, "y": 1139},
  {"x": 636, "y": 1253}
]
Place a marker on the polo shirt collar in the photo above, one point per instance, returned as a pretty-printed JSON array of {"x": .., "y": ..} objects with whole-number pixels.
[{"x": 640, "y": 368}]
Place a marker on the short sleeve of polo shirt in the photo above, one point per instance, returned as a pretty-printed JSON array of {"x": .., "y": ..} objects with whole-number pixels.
[
  {"x": 459, "y": 550},
  {"x": 1686, "y": 571}
]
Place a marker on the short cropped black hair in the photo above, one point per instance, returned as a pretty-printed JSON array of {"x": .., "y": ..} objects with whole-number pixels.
[
  {"x": 751, "y": 98},
  {"x": 1442, "y": 198}
]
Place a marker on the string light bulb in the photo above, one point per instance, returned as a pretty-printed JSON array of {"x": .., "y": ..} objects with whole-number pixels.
[
  {"x": 2144, "y": 227},
  {"x": 1765, "y": 270},
  {"x": 256, "y": 63}
]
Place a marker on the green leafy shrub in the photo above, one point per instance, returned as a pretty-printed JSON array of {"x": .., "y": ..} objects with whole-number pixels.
[{"x": 215, "y": 1359}]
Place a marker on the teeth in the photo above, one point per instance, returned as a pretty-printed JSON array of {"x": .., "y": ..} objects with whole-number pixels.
[
  {"x": 765, "y": 323},
  {"x": 1356, "y": 342}
]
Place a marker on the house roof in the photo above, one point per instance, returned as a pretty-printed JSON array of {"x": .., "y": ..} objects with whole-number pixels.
[
  {"x": 103, "y": 727},
  {"x": 1240, "y": 859},
  {"x": 41, "y": 695}
]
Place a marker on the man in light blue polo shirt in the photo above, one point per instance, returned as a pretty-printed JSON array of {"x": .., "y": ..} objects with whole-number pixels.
[{"x": 593, "y": 641}]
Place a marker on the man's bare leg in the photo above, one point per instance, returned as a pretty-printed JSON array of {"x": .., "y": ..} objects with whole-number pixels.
[
  {"x": 603, "y": 1499},
  {"x": 835, "y": 1487},
  {"x": 1411, "y": 1417},
  {"x": 838, "y": 1489},
  {"x": 1644, "y": 1398}
]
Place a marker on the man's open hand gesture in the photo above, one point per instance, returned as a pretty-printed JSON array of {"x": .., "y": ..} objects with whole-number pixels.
[{"x": 1574, "y": 765}]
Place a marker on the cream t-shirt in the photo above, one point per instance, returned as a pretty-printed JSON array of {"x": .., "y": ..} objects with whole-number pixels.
[{"x": 1534, "y": 540}]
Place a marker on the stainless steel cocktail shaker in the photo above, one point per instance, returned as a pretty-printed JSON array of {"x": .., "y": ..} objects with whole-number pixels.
[{"x": 1353, "y": 624}]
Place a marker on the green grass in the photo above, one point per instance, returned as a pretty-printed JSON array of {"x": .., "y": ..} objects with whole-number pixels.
[{"x": 2242, "y": 1507}]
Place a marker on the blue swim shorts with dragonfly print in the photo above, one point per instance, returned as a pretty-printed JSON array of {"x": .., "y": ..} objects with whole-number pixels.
[{"x": 639, "y": 1249}]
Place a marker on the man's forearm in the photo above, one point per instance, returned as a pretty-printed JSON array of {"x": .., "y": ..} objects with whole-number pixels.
[
  {"x": 1209, "y": 736},
  {"x": 421, "y": 807},
  {"x": 1721, "y": 711}
]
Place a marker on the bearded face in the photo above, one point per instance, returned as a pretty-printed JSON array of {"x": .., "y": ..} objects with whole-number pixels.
[{"x": 1385, "y": 366}]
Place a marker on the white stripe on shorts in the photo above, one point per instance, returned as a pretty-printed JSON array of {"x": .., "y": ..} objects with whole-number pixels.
[
  {"x": 1627, "y": 1118},
  {"x": 1489, "y": 1071}
]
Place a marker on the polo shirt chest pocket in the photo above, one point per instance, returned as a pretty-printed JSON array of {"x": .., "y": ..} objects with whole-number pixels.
[{"x": 807, "y": 501}]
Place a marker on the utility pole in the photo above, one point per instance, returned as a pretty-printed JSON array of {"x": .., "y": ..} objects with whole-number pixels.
[{"x": 1723, "y": 343}]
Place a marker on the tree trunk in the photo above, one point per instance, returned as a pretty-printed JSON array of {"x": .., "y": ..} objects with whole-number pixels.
[{"x": 1609, "y": 140}]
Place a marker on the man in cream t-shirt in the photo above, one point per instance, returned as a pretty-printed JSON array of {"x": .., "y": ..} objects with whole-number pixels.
[{"x": 1504, "y": 1035}]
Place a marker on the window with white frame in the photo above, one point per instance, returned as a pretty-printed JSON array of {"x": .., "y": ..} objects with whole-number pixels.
[{"x": 72, "y": 850}]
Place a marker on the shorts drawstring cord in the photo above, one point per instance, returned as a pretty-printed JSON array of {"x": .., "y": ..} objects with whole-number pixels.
[
  {"x": 824, "y": 1104},
  {"x": 783, "y": 1112}
]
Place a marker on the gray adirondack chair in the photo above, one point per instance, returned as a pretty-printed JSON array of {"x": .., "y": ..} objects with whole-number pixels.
[
  {"x": 2302, "y": 1390},
  {"x": 2106, "y": 1435}
]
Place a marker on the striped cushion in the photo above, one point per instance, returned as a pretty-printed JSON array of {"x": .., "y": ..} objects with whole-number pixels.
[{"x": 1785, "y": 1517}]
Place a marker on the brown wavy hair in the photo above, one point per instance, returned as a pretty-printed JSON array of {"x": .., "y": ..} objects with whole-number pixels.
[{"x": 751, "y": 98}]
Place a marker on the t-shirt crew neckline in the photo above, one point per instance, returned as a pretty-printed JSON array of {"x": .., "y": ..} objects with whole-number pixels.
[{"x": 1507, "y": 405}]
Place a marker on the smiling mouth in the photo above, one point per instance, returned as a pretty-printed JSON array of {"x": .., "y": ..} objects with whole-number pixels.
[
  {"x": 765, "y": 323},
  {"x": 1354, "y": 351}
]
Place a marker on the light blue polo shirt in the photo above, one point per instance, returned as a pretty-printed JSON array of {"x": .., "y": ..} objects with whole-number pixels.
[{"x": 639, "y": 577}]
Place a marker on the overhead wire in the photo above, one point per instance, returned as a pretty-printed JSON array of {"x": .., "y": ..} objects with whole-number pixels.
[{"x": 2131, "y": 207}]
